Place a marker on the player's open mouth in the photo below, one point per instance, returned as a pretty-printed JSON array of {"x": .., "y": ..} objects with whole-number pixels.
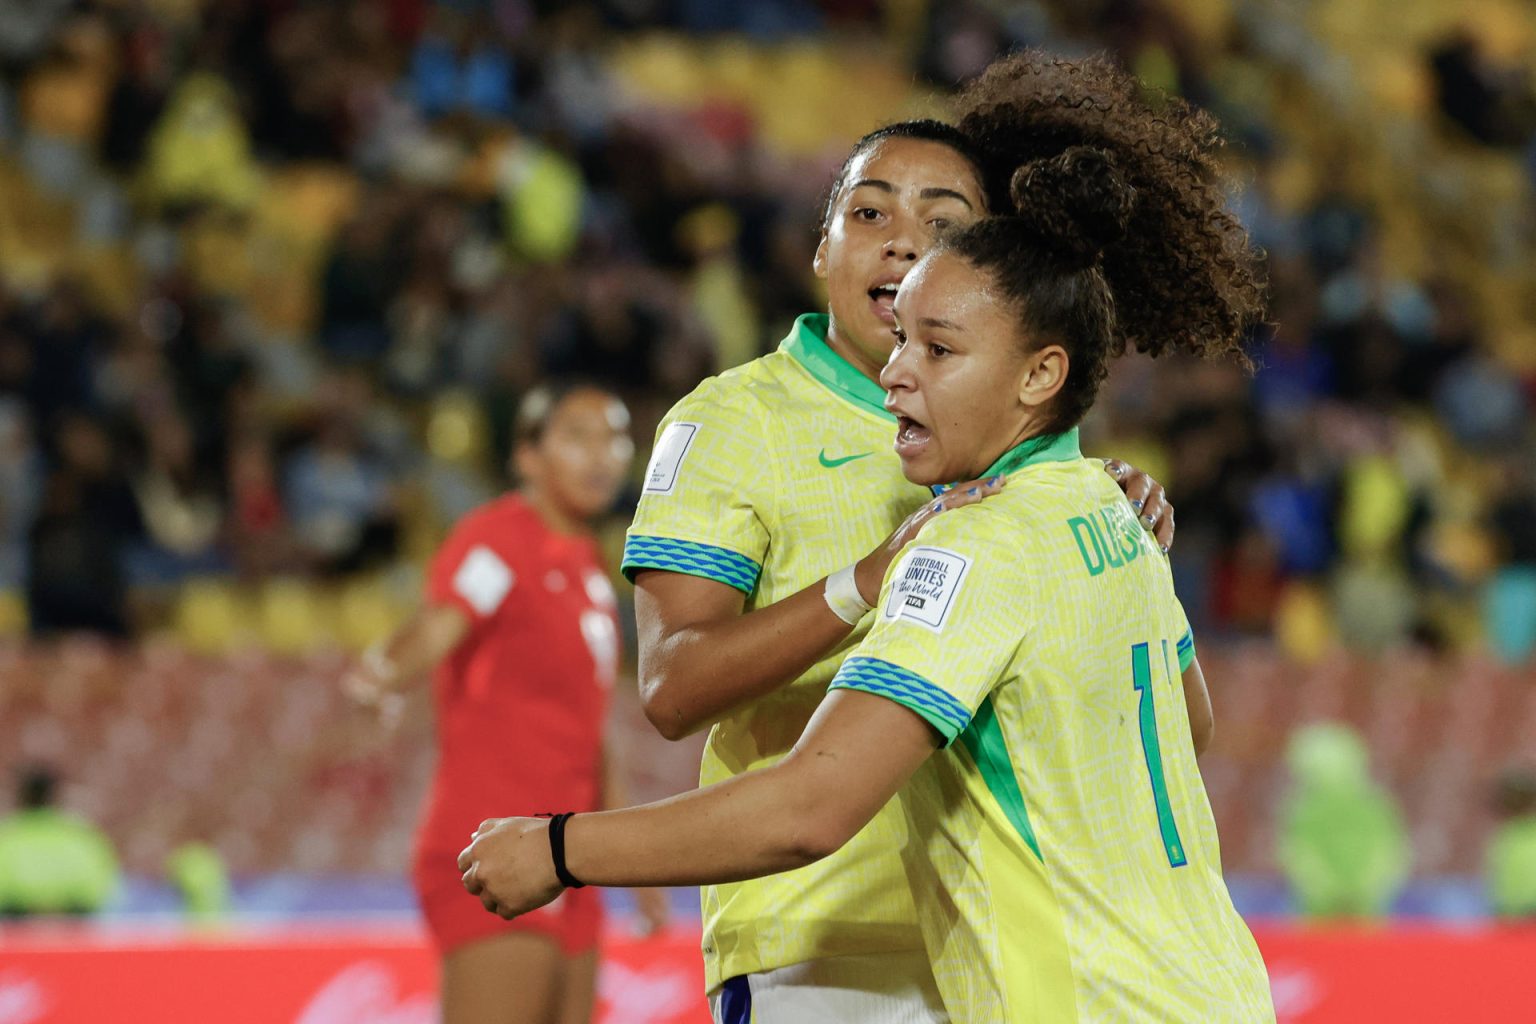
[
  {"x": 911, "y": 437},
  {"x": 882, "y": 297}
]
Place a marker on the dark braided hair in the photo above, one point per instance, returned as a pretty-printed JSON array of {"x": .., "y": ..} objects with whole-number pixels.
[
  {"x": 1120, "y": 236},
  {"x": 924, "y": 130}
]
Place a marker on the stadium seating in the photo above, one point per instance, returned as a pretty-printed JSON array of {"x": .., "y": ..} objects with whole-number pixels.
[{"x": 258, "y": 753}]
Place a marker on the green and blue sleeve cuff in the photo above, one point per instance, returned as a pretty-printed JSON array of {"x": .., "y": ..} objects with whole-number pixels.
[
  {"x": 905, "y": 687},
  {"x": 1186, "y": 649},
  {"x": 691, "y": 558}
]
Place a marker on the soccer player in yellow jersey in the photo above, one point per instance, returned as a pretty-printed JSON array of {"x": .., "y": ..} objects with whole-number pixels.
[
  {"x": 763, "y": 481},
  {"x": 1062, "y": 852}
]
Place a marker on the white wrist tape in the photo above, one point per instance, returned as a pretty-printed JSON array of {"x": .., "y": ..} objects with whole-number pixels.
[{"x": 842, "y": 596}]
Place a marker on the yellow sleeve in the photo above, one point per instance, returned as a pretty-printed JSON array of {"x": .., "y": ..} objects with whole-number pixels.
[
  {"x": 708, "y": 490},
  {"x": 953, "y": 611}
]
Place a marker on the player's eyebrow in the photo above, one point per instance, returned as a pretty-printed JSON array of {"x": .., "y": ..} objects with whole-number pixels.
[
  {"x": 935, "y": 192},
  {"x": 943, "y": 325},
  {"x": 931, "y": 192}
]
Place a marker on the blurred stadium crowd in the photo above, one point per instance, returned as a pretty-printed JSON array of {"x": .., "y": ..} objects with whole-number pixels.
[{"x": 273, "y": 274}]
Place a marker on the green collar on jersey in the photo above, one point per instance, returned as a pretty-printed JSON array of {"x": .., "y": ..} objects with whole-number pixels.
[
  {"x": 807, "y": 344},
  {"x": 1061, "y": 447}
]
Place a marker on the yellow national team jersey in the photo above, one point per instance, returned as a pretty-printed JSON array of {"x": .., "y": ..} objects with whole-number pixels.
[
  {"x": 768, "y": 478},
  {"x": 1064, "y": 853}
]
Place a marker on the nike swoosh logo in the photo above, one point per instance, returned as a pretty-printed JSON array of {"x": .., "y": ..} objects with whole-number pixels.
[{"x": 833, "y": 463}]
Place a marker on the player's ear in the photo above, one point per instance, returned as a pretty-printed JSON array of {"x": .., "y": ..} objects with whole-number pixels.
[
  {"x": 1044, "y": 373},
  {"x": 819, "y": 261}
]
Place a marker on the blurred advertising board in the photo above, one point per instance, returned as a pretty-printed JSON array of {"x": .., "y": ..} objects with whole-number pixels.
[{"x": 353, "y": 974}]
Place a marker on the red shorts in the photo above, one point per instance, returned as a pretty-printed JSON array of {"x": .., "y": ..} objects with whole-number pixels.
[{"x": 455, "y": 918}]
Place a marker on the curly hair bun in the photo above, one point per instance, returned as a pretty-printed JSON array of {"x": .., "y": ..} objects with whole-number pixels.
[{"x": 1078, "y": 202}]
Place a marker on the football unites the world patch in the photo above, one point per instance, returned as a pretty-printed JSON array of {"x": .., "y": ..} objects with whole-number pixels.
[
  {"x": 924, "y": 586},
  {"x": 671, "y": 448}
]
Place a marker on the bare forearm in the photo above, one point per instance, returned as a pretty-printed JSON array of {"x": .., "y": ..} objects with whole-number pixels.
[
  {"x": 694, "y": 676},
  {"x": 856, "y": 753},
  {"x": 407, "y": 654},
  {"x": 753, "y": 825},
  {"x": 420, "y": 643}
]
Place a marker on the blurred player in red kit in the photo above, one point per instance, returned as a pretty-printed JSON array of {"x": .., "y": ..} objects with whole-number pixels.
[{"x": 520, "y": 624}]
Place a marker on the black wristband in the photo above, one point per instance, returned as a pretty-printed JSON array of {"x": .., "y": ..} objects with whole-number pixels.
[{"x": 557, "y": 850}]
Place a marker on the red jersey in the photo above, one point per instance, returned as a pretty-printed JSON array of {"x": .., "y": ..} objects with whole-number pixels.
[{"x": 522, "y": 702}]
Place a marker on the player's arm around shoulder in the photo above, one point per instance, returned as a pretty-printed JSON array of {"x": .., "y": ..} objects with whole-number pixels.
[{"x": 701, "y": 657}]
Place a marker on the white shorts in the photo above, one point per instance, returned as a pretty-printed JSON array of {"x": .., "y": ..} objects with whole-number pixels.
[{"x": 876, "y": 988}]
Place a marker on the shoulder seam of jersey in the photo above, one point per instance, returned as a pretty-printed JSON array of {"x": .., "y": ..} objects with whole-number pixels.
[{"x": 750, "y": 400}]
